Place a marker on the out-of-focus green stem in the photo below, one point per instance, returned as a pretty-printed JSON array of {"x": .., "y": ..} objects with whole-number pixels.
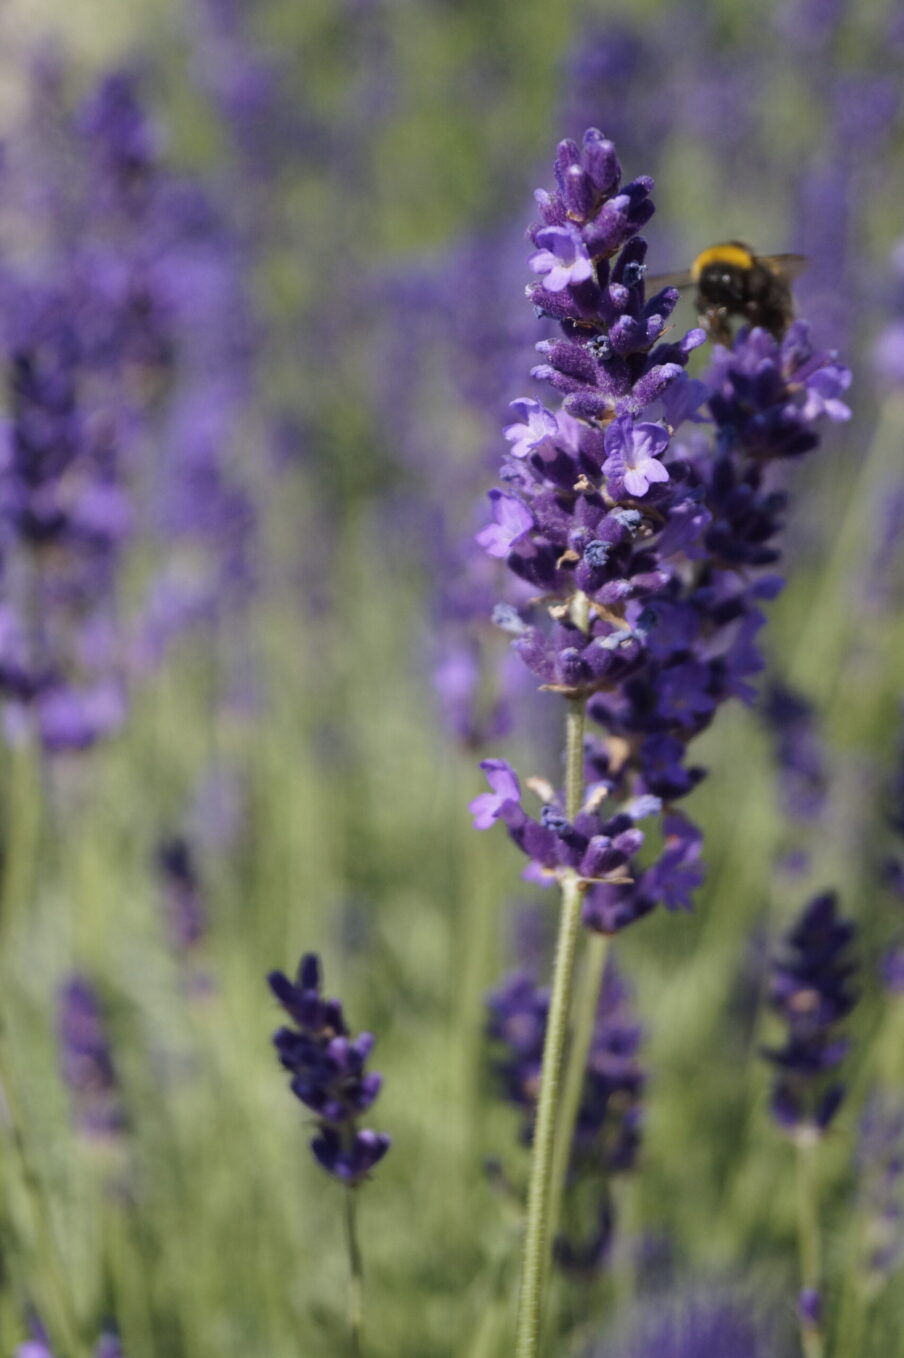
[
  {"x": 64, "y": 1322},
  {"x": 586, "y": 1003},
  {"x": 22, "y": 838},
  {"x": 808, "y": 1240},
  {"x": 540, "y": 1207},
  {"x": 355, "y": 1274}
]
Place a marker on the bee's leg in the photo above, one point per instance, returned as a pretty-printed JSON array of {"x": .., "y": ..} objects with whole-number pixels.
[{"x": 715, "y": 320}]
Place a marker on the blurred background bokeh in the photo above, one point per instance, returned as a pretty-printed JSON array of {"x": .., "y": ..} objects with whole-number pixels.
[{"x": 269, "y": 261}]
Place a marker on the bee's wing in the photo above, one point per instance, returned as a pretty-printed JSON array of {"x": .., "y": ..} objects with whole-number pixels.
[
  {"x": 656, "y": 282},
  {"x": 787, "y": 267}
]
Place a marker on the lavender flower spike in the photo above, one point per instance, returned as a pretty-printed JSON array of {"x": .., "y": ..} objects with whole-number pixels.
[
  {"x": 811, "y": 992},
  {"x": 691, "y": 1328},
  {"x": 328, "y": 1075},
  {"x": 108, "y": 1346},
  {"x": 86, "y": 1062},
  {"x": 639, "y": 551}
]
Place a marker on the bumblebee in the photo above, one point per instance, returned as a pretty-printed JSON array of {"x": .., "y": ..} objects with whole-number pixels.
[{"x": 732, "y": 281}]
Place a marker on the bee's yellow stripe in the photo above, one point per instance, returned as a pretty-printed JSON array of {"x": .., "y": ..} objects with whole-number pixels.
[{"x": 730, "y": 253}]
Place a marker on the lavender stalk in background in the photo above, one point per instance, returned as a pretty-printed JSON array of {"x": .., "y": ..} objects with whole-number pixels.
[
  {"x": 65, "y": 515},
  {"x": 891, "y": 873},
  {"x": 186, "y": 917},
  {"x": 609, "y": 1123},
  {"x": 696, "y": 1327},
  {"x": 811, "y": 991},
  {"x": 798, "y": 751},
  {"x": 86, "y": 1062},
  {"x": 880, "y": 1167}
]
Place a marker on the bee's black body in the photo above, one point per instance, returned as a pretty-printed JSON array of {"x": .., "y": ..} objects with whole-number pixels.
[{"x": 732, "y": 281}]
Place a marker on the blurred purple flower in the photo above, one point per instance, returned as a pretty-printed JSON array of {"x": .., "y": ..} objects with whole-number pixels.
[
  {"x": 811, "y": 992},
  {"x": 799, "y": 751},
  {"x": 86, "y": 1062},
  {"x": 690, "y": 1327},
  {"x": 512, "y": 520},
  {"x": 608, "y": 1128},
  {"x": 186, "y": 917},
  {"x": 880, "y": 1170}
]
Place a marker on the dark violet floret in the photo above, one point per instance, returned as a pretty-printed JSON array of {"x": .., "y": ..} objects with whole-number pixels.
[
  {"x": 327, "y": 1066},
  {"x": 811, "y": 991}
]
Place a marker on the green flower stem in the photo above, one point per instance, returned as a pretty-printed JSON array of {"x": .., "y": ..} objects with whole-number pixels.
[
  {"x": 355, "y": 1272},
  {"x": 540, "y": 1206},
  {"x": 23, "y": 810},
  {"x": 586, "y": 1002},
  {"x": 64, "y": 1322},
  {"x": 808, "y": 1239}
]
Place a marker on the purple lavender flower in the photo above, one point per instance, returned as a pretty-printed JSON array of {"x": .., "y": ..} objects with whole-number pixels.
[
  {"x": 691, "y": 1328},
  {"x": 880, "y": 1170},
  {"x": 535, "y": 430},
  {"x": 86, "y": 1062},
  {"x": 328, "y": 1075},
  {"x": 109, "y": 1346},
  {"x": 505, "y": 792},
  {"x": 891, "y": 872},
  {"x": 633, "y": 455},
  {"x": 125, "y": 318},
  {"x": 64, "y": 516},
  {"x": 512, "y": 520},
  {"x": 186, "y": 918},
  {"x": 562, "y": 257},
  {"x": 798, "y": 750},
  {"x": 36, "y": 1347},
  {"x": 811, "y": 992},
  {"x": 518, "y": 1010},
  {"x": 604, "y": 505},
  {"x": 124, "y": 142},
  {"x": 809, "y": 1308},
  {"x": 766, "y": 393},
  {"x": 810, "y": 24}
]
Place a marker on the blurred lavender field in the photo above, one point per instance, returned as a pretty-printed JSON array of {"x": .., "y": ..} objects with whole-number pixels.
[{"x": 262, "y": 314}]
